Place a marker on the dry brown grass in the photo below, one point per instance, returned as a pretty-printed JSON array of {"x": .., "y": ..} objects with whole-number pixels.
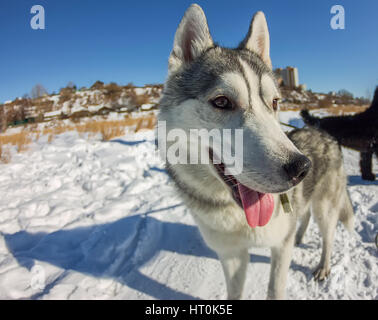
[
  {"x": 325, "y": 103},
  {"x": 291, "y": 107},
  {"x": 137, "y": 100},
  {"x": 108, "y": 130},
  {"x": 335, "y": 110},
  {"x": 21, "y": 140},
  {"x": 4, "y": 155},
  {"x": 142, "y": 99},
  {"x": 116, "y": 128},
  {"x": 347, "y": 109}
]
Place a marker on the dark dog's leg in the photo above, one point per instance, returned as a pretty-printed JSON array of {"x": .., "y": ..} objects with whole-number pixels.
[{"x": 366, "y": 165}]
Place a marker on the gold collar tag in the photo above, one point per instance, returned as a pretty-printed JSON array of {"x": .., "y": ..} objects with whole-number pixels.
[{"x": 286, "y": 203}]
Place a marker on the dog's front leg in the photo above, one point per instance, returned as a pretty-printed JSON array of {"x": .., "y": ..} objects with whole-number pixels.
[
  {"x": 279, "y": 268},
  {"x": 234, "y": 267}
]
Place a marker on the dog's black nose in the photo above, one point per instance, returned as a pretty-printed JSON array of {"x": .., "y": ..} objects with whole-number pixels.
[{"x": 298, "y": 168}]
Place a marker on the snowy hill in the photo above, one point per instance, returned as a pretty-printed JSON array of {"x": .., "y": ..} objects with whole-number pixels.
[
  {"x": 94, "y": 219},
  {"x": 101, "y": 99}
]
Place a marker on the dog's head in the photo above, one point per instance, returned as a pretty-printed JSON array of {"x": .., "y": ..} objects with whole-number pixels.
[{"x": 210, "y": 87}]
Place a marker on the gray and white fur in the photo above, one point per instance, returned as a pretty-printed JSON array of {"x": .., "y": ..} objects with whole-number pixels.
[{"x": 273, "y": 162}]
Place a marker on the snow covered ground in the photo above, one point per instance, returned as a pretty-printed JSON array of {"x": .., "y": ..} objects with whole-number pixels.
[{"x": 87, "y": 219}]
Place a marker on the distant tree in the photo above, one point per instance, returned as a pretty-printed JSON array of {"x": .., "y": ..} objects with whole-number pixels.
[
  {"x": 71, "y": 85},
  {"x": 345, "y": 94},
  {"x": 113, "y": 91},
  {"x": 363, "y": 101},
  {"x": 20, "y": 113},
  {"x": 97, "y": 85},
  {"x": 130, "y": 85},
  {"x": 38, "y": 91},
  {"x": 368, "y": 94},
  {"x": 3, "y": 119},
  {"x": 65, "y": 94}
]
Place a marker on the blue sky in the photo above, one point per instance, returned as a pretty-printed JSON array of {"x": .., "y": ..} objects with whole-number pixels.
[{"x": 126, "y": 41}]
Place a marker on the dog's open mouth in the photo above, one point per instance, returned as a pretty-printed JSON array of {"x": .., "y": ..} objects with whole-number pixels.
[{"x": 258, "y": 207}]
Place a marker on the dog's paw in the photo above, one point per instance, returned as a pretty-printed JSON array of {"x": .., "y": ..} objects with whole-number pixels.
[{"x": 321, "y": 273}]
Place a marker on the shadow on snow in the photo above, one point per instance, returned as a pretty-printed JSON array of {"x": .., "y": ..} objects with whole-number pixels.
[{"x": 116, "y": 250}]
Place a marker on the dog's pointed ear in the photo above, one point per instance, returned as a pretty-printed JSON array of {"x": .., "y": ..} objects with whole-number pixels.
[
  {"x": 191, "y": 39},
  {"x": 257, "y": 39}
]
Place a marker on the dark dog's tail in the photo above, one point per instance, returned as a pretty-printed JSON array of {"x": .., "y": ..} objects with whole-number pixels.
[
  {"x": 309, "y": 119},
  {"x": 374, "y": 103}
]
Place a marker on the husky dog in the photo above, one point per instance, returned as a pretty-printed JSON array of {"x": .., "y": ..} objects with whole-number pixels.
[{"x": 211, "y": 87}]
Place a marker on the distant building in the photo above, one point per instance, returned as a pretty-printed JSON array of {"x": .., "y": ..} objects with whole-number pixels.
[{"x": 290, "y": 77}]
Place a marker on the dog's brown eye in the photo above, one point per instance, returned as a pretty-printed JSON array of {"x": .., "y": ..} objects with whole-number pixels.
[
  {"x": 222, "y": 102},
  {"x": 275, "y": 104}
]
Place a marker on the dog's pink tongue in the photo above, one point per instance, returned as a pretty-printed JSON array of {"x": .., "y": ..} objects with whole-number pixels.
[{"x": 258, "y": 207}]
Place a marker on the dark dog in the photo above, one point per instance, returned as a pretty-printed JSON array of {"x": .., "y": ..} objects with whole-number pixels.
[{"x": 358, "y": 132}]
